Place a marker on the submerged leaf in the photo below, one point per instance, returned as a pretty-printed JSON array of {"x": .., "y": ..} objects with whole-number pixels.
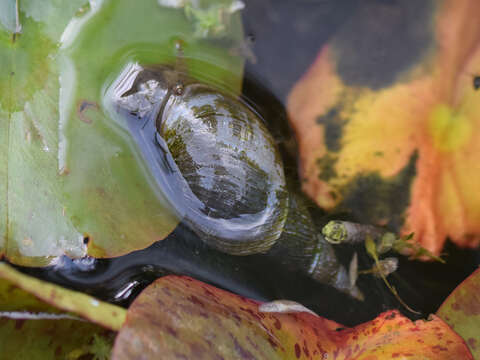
[
  {"x": 387, "y": 120},
  {"x": 461, "y": 310},
  {"x": 178, "y": 317}
]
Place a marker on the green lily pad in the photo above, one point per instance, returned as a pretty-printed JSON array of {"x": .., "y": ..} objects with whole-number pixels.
[
  {"x": 33, "y": 225},
  {"x": 39, "y": 320},
  {"x": 70, "y": 174},
  {"x": 461, "y": 310}
]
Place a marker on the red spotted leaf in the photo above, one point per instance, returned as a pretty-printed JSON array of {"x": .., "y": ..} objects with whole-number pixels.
[
  {"x": 461, "y": 310},
  {"x": 181, "y": 318},
  {"x": 388, "y": 120}
]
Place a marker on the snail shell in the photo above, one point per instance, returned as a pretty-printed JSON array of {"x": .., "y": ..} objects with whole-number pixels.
[
  {"x": 229, "y": 171},
  {"x": 217, "y": 164}
]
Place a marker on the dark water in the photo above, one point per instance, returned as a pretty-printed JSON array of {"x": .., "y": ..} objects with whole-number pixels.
[
  {"x": 421, "y": 285},
  {"x": 286, "y": 38}
]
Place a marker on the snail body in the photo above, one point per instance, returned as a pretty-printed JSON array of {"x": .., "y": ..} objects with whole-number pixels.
[
  {"x": 302, "y": 247},
  {"x": 218, "y": 164}
]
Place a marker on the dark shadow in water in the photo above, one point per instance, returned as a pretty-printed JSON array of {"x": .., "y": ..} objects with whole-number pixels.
[
  {"x": 422, "y": 285},
  {"x": 288, "y": 35},
  {"x": 118, "y": 280}
]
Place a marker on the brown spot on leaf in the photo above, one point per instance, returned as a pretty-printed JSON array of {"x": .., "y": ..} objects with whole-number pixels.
[
  {"x": 241, "y": 351},
  {"x": 472, "y": 343},
  {"x": 252, "y": 343},
  {"x": 166, "y": 291},
  {"x": 58, "y": 351},
  {"x": 180, "y": 356},
  {"x": 305, "y": 349},
  {"x": 390, "y": 316},
  {"x": 83, "y": 107},
  {"x": 171, "y": 331},
  {"x": 19, "y": 323},
  {"x": 272, "y": 342},
  {"x": 196, "y": 301},
  {"x": 197, "y": 350},
  {"x": 298, "y": 351},
  {"x": 469, "y": 305},
  {"x": 438, "y": 348}
]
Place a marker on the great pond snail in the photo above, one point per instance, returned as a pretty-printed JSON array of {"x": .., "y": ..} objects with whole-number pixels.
[{"x": 215, "y": 161}]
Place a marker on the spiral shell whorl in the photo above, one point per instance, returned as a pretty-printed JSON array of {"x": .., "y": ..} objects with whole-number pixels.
[{"x": 236, "y": 196}]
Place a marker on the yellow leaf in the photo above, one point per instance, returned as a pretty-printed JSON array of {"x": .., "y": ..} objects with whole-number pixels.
[{"x": 388, "y": 123}]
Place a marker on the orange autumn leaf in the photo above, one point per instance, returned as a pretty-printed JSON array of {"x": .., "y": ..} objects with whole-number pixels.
[
  {"x": 182, "y": 318},
  {"x": 388, "y": 120}
]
